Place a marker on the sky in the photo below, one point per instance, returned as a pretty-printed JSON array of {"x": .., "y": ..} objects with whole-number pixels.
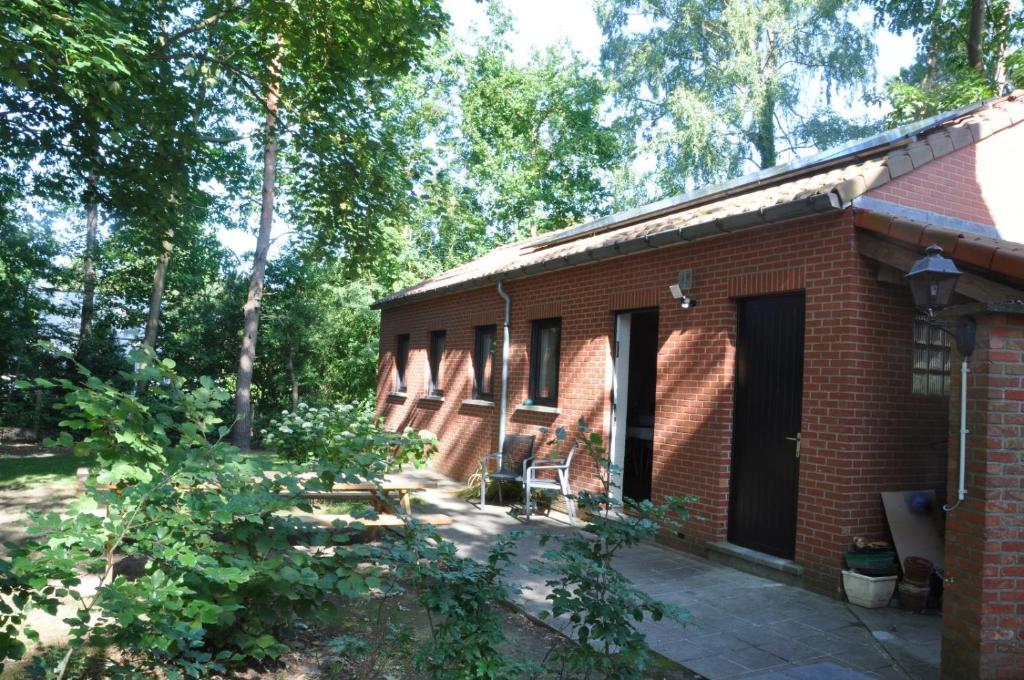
[{"x": 541, "y": 23}]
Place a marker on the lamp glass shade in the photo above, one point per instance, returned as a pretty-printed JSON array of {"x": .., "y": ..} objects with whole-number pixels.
[{"x": 932, "y": 280}]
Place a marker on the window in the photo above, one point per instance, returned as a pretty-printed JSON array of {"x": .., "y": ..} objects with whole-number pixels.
[
  {"x": 401, "y": 361},
  {"x": 435, "y": 355},
  {"x": 483, "y": 362},
  {"x": 931, "y": 360},
  {"x": 544, "y": 351}
]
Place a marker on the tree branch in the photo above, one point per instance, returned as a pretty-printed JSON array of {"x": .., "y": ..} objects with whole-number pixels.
[{"x": 200, "y": 25}]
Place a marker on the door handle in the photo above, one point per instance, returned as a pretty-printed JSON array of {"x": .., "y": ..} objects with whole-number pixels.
[{"x": 796, "y": 439}]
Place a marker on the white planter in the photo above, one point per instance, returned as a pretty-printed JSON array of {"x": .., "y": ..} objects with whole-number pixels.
[{"x": 868, "y": 591}]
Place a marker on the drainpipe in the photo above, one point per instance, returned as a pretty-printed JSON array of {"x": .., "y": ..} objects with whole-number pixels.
[
  {"x": 962, "y": 490},
  {"x": 504, "y": 365}
]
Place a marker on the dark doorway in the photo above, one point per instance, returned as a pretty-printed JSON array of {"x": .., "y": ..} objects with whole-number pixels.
[
  {"x": 638, "y": 459},
  {"x": 766, "y": 424}
]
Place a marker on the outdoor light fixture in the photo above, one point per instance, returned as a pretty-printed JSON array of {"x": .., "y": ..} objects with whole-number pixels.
[
  {"x": 684, "y": 281},
  {"x": 685, "y": 301},
  {"x": 932, "y": 280}
]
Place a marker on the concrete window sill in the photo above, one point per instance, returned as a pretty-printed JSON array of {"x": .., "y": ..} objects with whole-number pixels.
[
  {"x": 477, "y": 402},
  {"x": 431, "y": 397},
  {"x": 397, "y": 395},
  {"x": 553, "y": 410}
]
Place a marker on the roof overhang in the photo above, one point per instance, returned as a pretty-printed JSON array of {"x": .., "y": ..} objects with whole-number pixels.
[{"x": 810, "y": 205}]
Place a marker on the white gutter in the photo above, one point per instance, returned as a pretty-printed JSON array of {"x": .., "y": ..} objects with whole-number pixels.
[{"x": 505, "y": 340}]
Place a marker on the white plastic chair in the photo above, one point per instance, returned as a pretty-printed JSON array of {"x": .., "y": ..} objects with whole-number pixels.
[{"x": 561, "y": 468}]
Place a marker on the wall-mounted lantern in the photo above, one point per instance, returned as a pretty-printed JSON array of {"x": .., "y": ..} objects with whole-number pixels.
[{"x": 932, "y": 281}]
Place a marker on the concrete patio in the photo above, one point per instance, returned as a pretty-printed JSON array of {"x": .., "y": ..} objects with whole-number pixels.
[{"x": 742, "y": 626}]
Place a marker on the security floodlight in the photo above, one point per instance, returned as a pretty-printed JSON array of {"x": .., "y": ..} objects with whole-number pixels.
[{"x": 685, "y": 301}]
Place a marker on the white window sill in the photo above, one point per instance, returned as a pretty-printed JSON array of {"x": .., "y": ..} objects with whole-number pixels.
[
  {"x": 554, "y": 410},
  {"x": 477, "y": 402},
  {"x": 431, "y": 397}
]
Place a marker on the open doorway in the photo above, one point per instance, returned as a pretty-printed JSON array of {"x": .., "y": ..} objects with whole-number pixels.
[{"x": 633, "y": 394}]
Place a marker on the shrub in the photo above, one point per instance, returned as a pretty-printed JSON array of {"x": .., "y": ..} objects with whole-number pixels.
[
  {"x": 345, "y": 434},
  {"x": 220, "y": 580},
  {"x": 601, "y": 605}
]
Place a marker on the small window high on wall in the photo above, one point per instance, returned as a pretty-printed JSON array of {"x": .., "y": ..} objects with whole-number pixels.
[
  {"x": 435, "y": 356},
  {"x": 401, "y": 361},
  {"x": 483, "y": 362},
  {"x": 544, "y": 356},
  {"x": 931, "y": 360}
]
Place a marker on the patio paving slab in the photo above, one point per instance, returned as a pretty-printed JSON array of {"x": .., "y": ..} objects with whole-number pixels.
[{"x": 742, "y": 626}]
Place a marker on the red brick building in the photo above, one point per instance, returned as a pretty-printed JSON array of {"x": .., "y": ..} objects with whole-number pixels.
[{"x": 791, "y": 389}]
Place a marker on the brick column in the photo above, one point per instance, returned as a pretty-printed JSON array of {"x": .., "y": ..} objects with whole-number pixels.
[{"x": 983, "y": 603}]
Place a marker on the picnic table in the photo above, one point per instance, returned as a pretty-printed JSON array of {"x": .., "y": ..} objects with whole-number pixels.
[{"x": 379, "y": 494}]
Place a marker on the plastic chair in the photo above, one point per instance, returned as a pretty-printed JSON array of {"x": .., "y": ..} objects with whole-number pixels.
[{"x": 561, "y": 467}]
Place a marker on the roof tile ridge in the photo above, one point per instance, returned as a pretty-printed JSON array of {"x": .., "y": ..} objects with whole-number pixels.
[{"x": 949, "y": 137}]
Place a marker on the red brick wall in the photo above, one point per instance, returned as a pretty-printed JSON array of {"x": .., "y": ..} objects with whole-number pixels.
[
  {"x": 862, "y": 430},
  {"x": 979, "y": 183},
  {"x": 983, "y": 602}
]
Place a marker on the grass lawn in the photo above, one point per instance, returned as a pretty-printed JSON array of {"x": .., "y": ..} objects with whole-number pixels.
[{"x": 25, "y": 465}]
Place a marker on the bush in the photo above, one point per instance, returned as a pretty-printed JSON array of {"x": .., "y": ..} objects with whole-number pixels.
[
  {"x": 601, "y": 605},
  {"x": 220, "y": 579},
  {"x": 462, "y": 598},
  {"x": 345, "y": 434}
]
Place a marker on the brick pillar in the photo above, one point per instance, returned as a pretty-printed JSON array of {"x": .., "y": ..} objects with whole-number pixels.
[{"x": 983, "y": 603}]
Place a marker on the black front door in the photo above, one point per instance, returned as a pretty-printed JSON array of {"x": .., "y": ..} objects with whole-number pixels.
[{"x": 766, "y": 424}]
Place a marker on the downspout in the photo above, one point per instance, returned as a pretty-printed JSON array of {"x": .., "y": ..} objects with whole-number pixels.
[
  {"x": 965, "y": 333},
  {"x": 505, "y": 340},
  {"x": 962, "y": 489}
]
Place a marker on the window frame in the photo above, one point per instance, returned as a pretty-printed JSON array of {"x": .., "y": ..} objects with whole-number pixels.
[
  {"x": 480, "y": 356},
  {"x": 538, "y": 326},
  {"x": 435, "y": 363},
  {"x": 937, "y": 347},
  {"x": 401, "y": 363}
]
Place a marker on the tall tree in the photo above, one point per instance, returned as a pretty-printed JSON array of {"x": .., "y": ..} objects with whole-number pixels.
[
  {"x": 967, "y": 50},
  {"x": 509, "y": 148},
  {"x": 716, "y": 88},
  {"x": 66, "y": 72},
  {"x": 296, "y": 66}
]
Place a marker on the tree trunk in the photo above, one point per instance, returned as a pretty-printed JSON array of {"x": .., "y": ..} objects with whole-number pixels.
[
  {"x": 88, "y": 266},
  {"x": 974, "y": 34},
  {"x": 292, "y": 377},
  {"x": 242, "y": 432},
  {"x": 934, "y": 45},
  {"x": 764, "y": 133},
  {"x": 159, "y": 277}
]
